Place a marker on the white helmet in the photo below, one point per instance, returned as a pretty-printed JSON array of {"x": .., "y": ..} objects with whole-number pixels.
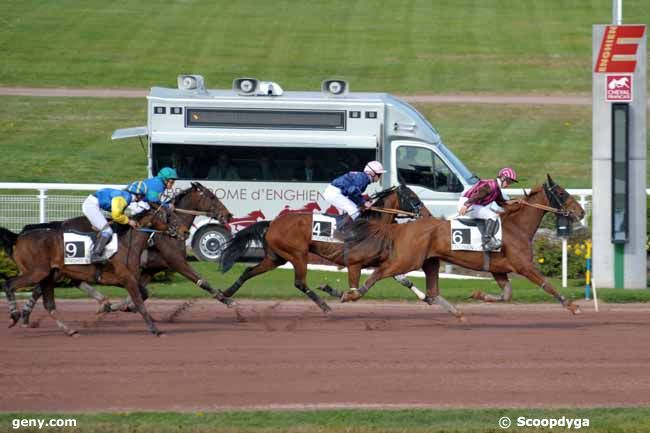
[{"x": 374, "y": 168}]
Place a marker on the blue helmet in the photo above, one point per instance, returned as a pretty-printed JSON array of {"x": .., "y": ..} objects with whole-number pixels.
[{"x": 137, "y": 187}]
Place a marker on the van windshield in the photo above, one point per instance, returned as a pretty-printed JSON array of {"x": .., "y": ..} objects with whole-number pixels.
[{"x": 470, "y": 177}]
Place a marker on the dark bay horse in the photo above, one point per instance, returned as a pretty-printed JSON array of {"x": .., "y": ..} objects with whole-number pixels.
[
  {"x": 288, "y": 238},
  {"x": 163, "y": 253},
  {"x": 39, "y": 255},
  {"x": 423, "y": 243}
]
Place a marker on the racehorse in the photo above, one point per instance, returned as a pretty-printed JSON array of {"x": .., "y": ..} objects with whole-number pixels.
[
  {"x": 288, "y": 238},
  {"x": 165, "y": 252},
  {"x": 423, "y": 243},
  {"x": 39, "y": 255}
]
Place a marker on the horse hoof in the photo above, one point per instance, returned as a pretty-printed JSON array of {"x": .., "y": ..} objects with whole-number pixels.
[
  {"x": 325, "y": 308},
  {"x": 73, "y": 333},
  {"x": 461, "y": 318},
  {"x": 105, "y": 307},
  {"x": 13, "y": 319},
  {"x": 351, "y": 295},
  {"x": 574, "y": 308},
  {"x": 477, "y": 295}
]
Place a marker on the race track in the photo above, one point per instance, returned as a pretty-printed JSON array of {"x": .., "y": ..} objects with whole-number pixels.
[{"x": 288, "y": 355}]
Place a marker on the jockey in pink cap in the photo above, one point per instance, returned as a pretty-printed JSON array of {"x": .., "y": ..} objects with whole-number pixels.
[{"x": 475, "y": 203}]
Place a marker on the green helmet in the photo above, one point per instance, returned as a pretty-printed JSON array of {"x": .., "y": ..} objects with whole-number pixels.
[
  {"x": 167, "y": 173},
  {"x": 137, "y": 187}
]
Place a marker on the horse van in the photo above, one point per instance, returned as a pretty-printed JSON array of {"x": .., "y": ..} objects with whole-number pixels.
[{"x": 265, "y": 151}]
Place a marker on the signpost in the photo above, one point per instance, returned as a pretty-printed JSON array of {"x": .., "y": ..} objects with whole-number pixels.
[{"x": 619, "y": 155}]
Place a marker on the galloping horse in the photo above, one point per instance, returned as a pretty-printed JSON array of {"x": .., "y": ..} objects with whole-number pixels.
[
  {"x": 288, "y": 238},
  {"x": 39, "y": 255},
  {"x": 423, "y": 243},
  {"x": 165, "y": 253}
]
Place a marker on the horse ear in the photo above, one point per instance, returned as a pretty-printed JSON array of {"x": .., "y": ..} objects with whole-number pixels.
[{"x": 550, "y": 181}]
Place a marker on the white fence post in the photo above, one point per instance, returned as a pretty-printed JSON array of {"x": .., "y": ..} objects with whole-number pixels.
[{"x": 42, "y": 212}]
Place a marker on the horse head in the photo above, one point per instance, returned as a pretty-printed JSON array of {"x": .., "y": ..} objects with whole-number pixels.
[
  {"x": 561, "y": 200},
  {"x": 165, "y": 220},
  {"x": 402, "y": 198},
  {"x": 200, "y": 198}
]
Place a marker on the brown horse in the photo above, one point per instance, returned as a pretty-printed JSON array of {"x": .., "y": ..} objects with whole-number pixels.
[
  {"x": 164, "y": 252},
  {"x": 423, "y": 243},
  {"x": 39, "y": 255},
  {"x": 288, "y": 238}
]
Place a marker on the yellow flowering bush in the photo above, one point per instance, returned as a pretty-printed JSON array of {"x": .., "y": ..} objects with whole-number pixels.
[{"x": 547, "y": 254}]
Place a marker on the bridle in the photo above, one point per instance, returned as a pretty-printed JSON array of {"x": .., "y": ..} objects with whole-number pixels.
[
  {"x": 556, "y": 200},
  {"x": 415, "y": 204},
  {"x": 215, "y": 211}
]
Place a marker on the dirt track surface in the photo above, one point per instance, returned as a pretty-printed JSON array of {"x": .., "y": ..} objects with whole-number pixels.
[{"x": 288, "y": 355}]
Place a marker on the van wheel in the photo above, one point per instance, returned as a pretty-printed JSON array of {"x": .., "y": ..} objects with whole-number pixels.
[{"x": 209, "y": 242}]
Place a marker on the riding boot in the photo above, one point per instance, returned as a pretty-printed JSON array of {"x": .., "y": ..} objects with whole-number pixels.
[
  {"x": 100, "y": 243},
  {"x": 345, "y": 224},
  {"x": 490, "y": 243}
]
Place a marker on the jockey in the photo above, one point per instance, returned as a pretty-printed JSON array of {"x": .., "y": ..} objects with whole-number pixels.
[
  {"x": 345, "y": 192},
  {"x": 157, "y": 185},
  {"x": 114, "y": 201},
  {"x": 476, "y": 201}
]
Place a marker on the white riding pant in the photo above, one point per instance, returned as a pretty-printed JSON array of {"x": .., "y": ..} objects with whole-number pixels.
[
  {"x": 91, "y": 210},
  {"x": 478, "y": 211},
  {"x": 334, "y": 196}
]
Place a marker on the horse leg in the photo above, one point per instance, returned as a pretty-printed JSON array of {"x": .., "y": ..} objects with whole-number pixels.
[
  {"x": 401, "y": 278},
  {"x": 50, "y": 306},
  {"x": 182, "y": 267},
  {"x": 378, "y": 274},
  {"x": 300, "y": 281},
  {"x": 354, "y": 275},
  {"x": 267, "y": 264},
  {"x": 103, "y": 301},
  {"x": 506, "y": 290},
  {"x": 132, "y": 286},
  {"x": 431, "y": 270},
  {"x": 37, "y": 292},
  {"x": 29, "y": 278},
  {"x": 529, "y": 271}
]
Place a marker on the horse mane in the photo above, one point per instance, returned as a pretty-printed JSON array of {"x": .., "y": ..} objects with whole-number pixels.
[
  {"x": 178, "y": 197},
  {"x": 379, "y": 197},
  {"x": 373, "y": 238},
  {"x": 514, "y": 209}
]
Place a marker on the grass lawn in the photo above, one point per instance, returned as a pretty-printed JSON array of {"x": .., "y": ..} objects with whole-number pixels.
[
  {"x": 68, "y": 139},
  {"x": 278, "y": 284},
  {"x": 414, "y": 46},
  {"x": 349, "y": 421}
]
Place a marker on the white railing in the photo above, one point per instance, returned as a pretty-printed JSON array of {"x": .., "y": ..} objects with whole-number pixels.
[{"x": 18, "y": 210}]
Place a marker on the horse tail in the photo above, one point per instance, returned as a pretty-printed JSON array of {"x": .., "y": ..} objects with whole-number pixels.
[
  {"x": 372, "y": 239},
  {"x": 238, "y": 245},
  {"x": 7, "y": 240}
]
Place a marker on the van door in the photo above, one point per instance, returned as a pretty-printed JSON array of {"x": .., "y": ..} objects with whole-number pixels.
[{"x": 428, "y": 174}]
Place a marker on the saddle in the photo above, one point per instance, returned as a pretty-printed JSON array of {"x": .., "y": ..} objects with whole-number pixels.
[
  {"x": 468, "y": 234},
  {"x": 78, "y": 245}
]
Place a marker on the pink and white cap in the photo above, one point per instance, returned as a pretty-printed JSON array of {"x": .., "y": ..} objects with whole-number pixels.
[
  {"x": 509, "y": 173},
  {"x": 374, "y": 168}
]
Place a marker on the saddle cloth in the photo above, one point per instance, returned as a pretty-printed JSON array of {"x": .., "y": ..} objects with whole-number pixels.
[
  {"x": 77, "y": 247},
  {"x": 323, "y": 228},
  {"x": 465, "y": 235}
]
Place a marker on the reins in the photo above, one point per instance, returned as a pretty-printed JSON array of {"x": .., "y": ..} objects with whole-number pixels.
[
  {"x": 191, "y": 212},
  {"x": 564, "y": 212},
  {"x": 392, "y": 211}
]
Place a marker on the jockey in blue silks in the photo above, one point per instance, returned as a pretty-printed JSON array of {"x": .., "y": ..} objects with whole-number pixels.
[
  {"x": 157, "y": 185},
  {"x": 346, "y": 191},
  {"x": 114, "y": 201}
]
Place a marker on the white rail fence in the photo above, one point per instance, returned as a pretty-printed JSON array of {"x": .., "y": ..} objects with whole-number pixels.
[{"x": 30, "y": 203}]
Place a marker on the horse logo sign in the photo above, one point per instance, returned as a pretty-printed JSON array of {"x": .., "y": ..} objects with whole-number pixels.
[{"x": 619, "y": 88}]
